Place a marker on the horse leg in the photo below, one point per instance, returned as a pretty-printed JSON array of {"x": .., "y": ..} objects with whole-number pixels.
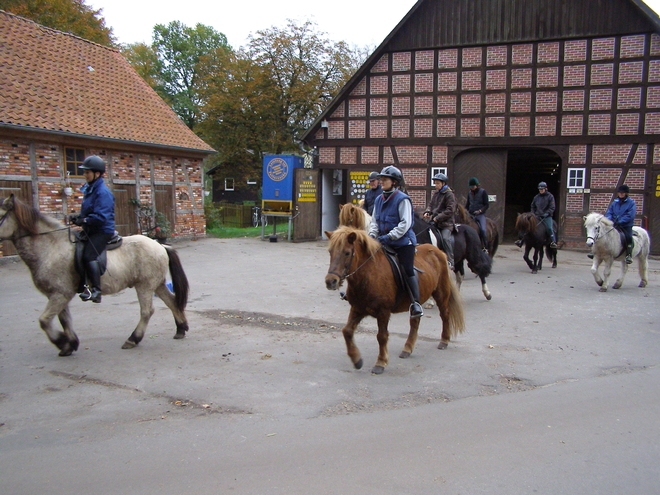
[
  {"x": 412, "y": 339},
  {"x": 67, "y": 341},
  {"x": 145, "y": 298},
  {"x": 179, "y": 317},
  {"x": 540, "y": 253},
  {"x": 354, "y": 319},
  {"x": 643, "y": 269},
  {"x": 607, "y": 270},
  {"x": 619, "y": 281},
  {"x": 532, "y": 266},
  {"x": 382, "y": 337},
  {"x": 484, "y": 289},
  {"x": 594, "y": 271}
]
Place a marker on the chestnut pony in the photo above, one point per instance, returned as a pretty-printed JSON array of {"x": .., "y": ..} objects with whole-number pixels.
[
  {"x": 372, "y": 291},
  {"x": 44, "y": 244},
  {"x": 354, "y": 216}
]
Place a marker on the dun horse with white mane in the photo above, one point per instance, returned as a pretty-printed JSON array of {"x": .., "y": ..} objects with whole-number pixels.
[{"x": 45, "y": 246}]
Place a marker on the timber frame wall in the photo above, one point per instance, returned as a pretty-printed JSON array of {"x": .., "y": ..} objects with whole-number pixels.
[{"x": 597, "y": 96}]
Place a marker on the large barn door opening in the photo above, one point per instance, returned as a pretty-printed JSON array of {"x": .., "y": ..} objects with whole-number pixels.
[
  {"x": 489, "y": 166},
  {"x": 526, "y": 167}
]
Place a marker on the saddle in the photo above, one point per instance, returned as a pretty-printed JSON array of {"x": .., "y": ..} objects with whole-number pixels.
[
  {"x": 399, "y": 277},
  {"x": 622, "y": 236},
  {"x": 80, "y": 240}
]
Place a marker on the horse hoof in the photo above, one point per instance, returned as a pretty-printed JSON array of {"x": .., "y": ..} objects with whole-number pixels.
[
  {"x": 616, "y": 286},
  {"x": 602, "y": 289},
  {"x": 488, "y": 297},
  {"x": 377, "y": 370},
  {"x": 404, "y": 354},
  {"x": 442, "y": 345},
  {"x": 535, "y": 271},
  {"x": 178, "y": 335},
  {"x": 128, "y": 345},
  {"x": 642, "y": 284},
  {"x": 358, "y": 364},
  {"x": 554, "y": 265},
  {"x": 67, "y": 351}
]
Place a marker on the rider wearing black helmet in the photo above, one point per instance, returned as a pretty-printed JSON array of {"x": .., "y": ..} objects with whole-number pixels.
[
  {"x": 372, "y": 193},
  {"x": 392, "y": 223},
  {"x": 441, "y": 211},
  {"x": 97, "y": 219}
]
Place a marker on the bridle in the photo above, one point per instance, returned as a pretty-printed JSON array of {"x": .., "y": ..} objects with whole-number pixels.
[
  {"x": 597, "y": 235},
  {"x": 347, "y": 267}
]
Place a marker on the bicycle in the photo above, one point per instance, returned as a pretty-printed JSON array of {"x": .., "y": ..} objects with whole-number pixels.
[{"x": 257, "y": 218}]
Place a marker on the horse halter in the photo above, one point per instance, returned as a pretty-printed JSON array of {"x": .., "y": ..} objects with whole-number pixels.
[{"x": 346, "y": 268}]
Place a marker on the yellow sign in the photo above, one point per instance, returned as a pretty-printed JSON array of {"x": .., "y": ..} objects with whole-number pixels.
[{"x": 307, "y": 192}]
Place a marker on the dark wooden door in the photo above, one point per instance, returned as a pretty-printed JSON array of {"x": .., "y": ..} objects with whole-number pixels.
[
  {"x": 489, "y": 166},
  {"x": 21, "y": 190},
  {"x": 164, "y": 203},
  {"x": 306, "y": 222},
  {"x": 125, "y": 219},
  {"x": 654, "y": 212}
]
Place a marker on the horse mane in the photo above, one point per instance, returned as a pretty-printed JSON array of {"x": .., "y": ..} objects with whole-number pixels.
[
  {"x": 362, "y": 241},
  {"x": 593, "y": 218},
  {"x": 28, "y": 217},
  {"x": 461, "y": 215},
  {"x": 526, "y": 222},
  {"x": 352, "y": 216}
]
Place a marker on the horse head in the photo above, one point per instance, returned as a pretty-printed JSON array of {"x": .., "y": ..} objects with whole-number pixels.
[
  {"x": 348, "y": 246},
  {"x": 592, "y": 224},
  {"x": 526, "y": 222}
]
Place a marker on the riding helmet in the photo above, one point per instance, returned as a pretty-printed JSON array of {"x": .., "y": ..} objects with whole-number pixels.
[
  {"x": 473, "y": 182},
  {"x": 391, "y": 172},
  {"x": 542, "y": 185},
  {"x": 372, "y": 176},
  {"x": 441, "y": 176},
  {"x": 623, "y": 188},
  {"x": 94, "y": 163}
]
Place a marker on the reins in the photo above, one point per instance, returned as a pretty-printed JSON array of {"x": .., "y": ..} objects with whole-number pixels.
[
  {"x": 13, "y": 237},
  {"x": 350, "y": 262}
]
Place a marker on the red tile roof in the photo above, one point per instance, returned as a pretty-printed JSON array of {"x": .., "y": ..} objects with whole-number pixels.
[{"x": 55, "y": 81}]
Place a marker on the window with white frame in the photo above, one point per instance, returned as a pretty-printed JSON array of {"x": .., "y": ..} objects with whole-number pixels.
[
  {"x": 229, "y": 184},
  {"x": 437, "y": 170},
  {"x": 576, "y": 178}
]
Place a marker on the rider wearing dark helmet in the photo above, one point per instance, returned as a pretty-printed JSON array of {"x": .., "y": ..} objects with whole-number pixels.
[
  {"x": 543, "y": 207},
  {"x": 441, "y": 211},
  {"x": 372, "y": 193},
  {"x": 622, "y": 212},
  {"x": 97, "y": 219},
  {"x": 392, "y": 223},
  {"x": 476, "y": 205}
]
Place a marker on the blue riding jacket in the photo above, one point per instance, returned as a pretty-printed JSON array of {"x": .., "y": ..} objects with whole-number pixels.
[
  {"x": 622, "y": 212},
  {"x": 386, "y": 215},
  {"x": 98, "y": 208}
]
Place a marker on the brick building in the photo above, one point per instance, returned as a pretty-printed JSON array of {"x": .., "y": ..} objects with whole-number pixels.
[
  {"x": 513, "y": 92},
  {"x": 63, "y": 98}
]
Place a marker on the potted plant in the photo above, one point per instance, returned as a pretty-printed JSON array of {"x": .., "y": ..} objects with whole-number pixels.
[{"x": 151, "y": 222}]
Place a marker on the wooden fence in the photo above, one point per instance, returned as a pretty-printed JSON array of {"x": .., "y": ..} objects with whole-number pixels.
[{"x": 236, "y": 215}]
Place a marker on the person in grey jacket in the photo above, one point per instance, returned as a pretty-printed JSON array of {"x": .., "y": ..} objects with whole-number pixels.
[{"x": 543, "y": 207}]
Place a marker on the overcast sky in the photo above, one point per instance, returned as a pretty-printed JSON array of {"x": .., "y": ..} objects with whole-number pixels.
[{"x": 358, "y": 22}]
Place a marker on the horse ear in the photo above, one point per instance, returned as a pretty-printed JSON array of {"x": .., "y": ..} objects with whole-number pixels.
[
  {"x": 340, "y": 207},
  {"x": 8, "y": 203},
  {"x": 351, "y": 237},
  {"x": 584, "y": 218},
  {"x": 328, "y": 234}
]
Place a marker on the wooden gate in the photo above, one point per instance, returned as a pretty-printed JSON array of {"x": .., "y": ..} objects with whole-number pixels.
[
  {"x": 654, "y": 212},
  {"x": 125, "y": 219},
  {"x": 23, "y": 191},
  {"x": 306, "y": 222},
  {"x": 489, "y": 166}
]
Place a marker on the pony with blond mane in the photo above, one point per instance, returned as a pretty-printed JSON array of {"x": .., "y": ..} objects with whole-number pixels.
[
  {"x": 607, "y": 246},
  {"x": 45, "y": 245},
  {"x": 354, "y": 216},
  {"x": 372, "y": 290}
]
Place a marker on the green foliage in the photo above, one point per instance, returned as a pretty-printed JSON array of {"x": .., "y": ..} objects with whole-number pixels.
[
  {"x": 71, "y": 16},
  {"x": 151, "y": 222},
  {"x": 144, "y": 60}
]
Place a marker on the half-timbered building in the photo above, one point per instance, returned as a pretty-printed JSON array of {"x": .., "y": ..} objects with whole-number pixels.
[{"x": 513, "y": 92}]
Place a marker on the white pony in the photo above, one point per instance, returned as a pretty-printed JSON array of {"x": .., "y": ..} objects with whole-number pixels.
[
  {"x": 606, "y": 245},
  {"x": 44, "y": 244}
]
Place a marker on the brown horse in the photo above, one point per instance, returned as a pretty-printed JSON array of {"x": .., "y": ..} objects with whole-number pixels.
[
  {"x": 354, "y": 216},
  {"x": 462, "y": 216},
  {"x": 372, "y": 290},
  {"x": 535, "y": 236}
]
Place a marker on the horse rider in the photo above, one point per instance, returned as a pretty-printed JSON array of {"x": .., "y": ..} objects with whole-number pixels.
[
  {"x": 622, "y": 212},
  {"x": 476, "y": 205},
  {"x": 372, "y": 193},
  {"x": 543, "y": 207},
  {"x": 441, "y": 211},
  {"x": 391, "y": 224},
  {"x": 97, "y": 219}
]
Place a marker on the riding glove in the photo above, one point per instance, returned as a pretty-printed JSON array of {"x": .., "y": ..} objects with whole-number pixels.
[
  {"x": 79, "y": 221},
  {"x": 385, "y": 240}
]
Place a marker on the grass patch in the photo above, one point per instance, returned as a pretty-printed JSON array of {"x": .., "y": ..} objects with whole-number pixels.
[{"x": 234, "y": 232}]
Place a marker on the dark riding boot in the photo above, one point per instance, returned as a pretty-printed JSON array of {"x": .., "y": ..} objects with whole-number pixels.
[
  {"x": 415, "y": 308},
  {"x": 629, "y": 249},
  {"x": 94, "y": 276},
  {"x": 519, "y": 243}
]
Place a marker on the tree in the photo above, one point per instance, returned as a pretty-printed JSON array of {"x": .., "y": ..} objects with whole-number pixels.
[
  {"x": 178, "y": 50},
  {"x": 144, "y": 60},
  {"x": 71, "y": 16}
]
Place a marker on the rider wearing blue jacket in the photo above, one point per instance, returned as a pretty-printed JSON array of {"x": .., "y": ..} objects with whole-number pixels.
[
  {"x": 622, "y": 212},
  {"x": 392, "y": 224},
  {"x": 97, "y": 218}
]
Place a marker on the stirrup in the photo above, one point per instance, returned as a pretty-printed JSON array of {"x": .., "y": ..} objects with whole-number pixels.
[
  {"x": 519, "y": 243},
  {"x": 416, "y": 310},
  {"x": 590, "y": 256},
  {"x": 553, "y": 245},
  {"x": 629, "y": 259},
  {"x": 86, "y": 295},
  {"x": 95, "y": 295}
]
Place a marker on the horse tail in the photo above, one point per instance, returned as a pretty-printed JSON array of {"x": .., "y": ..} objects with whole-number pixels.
[
  {"x": 495, "y": 242},
  {"x": 456, "y": 316},
  {"x": 179, "y": 279}
]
